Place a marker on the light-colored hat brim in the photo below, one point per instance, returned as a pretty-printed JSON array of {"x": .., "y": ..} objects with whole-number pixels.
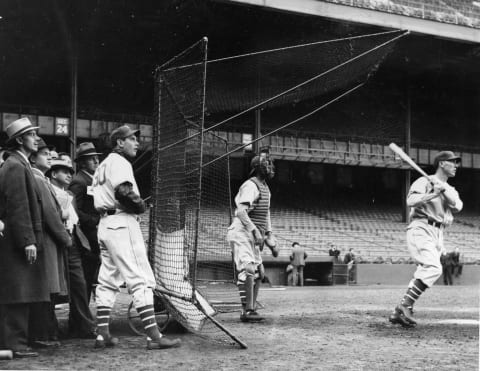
[{"x": 20, "y": 133}]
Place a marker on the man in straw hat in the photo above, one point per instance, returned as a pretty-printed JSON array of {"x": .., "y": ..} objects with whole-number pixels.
[
  {"x": 23, "y": 274},
  {"x": 87, "y": 161},
  {"x": 80, "y": 319}
]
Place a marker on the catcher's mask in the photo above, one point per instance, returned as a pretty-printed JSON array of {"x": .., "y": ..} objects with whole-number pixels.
[{"x": 263, "y": 166}]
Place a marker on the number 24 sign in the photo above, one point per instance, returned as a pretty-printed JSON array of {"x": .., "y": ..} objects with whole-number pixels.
[{"x": 61, "y": 126}]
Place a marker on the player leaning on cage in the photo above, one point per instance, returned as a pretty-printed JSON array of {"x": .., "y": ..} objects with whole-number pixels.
[
  {"x": 122, "y": 249},
  {"x": 432, "y": 203},
  {"x": 250, "y": 230}
]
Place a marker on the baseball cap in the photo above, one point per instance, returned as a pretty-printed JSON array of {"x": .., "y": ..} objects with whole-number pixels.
[
  {"x": 122, "y": 132},
  {"x": 445, "y": 156}
]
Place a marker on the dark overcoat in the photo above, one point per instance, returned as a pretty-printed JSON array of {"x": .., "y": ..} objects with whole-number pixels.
[
  {"x": 84, "y": 206},
  {"x": 56, "y": 240},
  {"x": 20, "y": 210}
]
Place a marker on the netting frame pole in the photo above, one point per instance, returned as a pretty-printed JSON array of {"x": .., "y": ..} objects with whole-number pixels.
[
  {"x": 154, "y": 174},
  {"x": 223, "y": 328},
  {"x": 199, "y": 205}
]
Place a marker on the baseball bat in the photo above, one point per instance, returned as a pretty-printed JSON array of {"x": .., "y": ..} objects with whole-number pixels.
[{"x": 407, "y": 159}]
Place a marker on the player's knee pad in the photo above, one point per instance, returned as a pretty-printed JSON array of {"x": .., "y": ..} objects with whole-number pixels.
[
  {"x": 241, "y": 277},
  {"x": 250, "y": 270}
]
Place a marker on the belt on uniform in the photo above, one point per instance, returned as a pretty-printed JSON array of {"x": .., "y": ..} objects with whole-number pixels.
[
  {"x": 108, "y": 212},
  {"x": 434, "y": 223}
]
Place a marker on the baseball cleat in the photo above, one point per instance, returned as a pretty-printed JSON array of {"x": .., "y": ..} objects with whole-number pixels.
[
  {"x": 251, "y": 316},
  {"x": 397, "y": 319},
  {"x": 101, "y": 342},
  {"x": 163, "y": 343},
  {"x": 403, "y": 316},
  {"x": 407, "y": 312}
]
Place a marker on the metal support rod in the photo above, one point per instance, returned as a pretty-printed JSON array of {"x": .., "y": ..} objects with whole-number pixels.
[
  {"x": 257, "y": 130},
  {"x": 74, "y": 99},
  {"x": 408, "y": 141}
]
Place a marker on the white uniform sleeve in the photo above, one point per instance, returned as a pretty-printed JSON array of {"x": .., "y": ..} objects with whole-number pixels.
[
  {"x": 453, "y": 198},
  {"x": 417, "y": 191},
  {"x": 247, "y": 194},
  {"x": 120, "y": 171}
]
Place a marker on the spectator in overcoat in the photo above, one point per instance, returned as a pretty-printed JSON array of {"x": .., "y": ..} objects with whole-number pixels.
[
  {"x": 56, "y": 242},
  {"x": 23, "y": 274},
  {"x": 80, "y": 322}
]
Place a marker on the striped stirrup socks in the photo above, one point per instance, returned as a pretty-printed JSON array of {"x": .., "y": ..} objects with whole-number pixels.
[
  {"x": 413, "y": 293},
  {"x": 103, "y": 320},
  {"x": 147, "y": 315}
]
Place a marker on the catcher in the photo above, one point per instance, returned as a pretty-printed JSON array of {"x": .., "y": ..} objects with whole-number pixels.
[{"x": 251, "y": 229}]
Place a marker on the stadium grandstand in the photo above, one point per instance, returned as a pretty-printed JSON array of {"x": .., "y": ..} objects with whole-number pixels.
[{"x": 81, "y": 69}]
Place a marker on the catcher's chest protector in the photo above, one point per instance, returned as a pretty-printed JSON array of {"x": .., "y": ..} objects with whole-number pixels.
[{"x": 258, "y": 215}]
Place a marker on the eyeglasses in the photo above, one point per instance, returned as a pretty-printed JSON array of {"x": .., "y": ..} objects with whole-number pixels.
[{"x": 32, "y": 133}]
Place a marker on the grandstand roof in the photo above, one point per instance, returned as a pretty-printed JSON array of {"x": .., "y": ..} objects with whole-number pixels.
[
  {"x": 456, "y": 19},
  {"x": 120, "y": 43}
]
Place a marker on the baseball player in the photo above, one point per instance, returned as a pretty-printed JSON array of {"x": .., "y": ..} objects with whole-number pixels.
[
  {"x": 432, "y": 203},
  {"x": 250, "y": 230},
  {"x": 122, "y": 249}
]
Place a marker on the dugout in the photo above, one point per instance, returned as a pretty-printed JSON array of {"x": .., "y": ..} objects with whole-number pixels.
[{"x": 318, "y": 271}]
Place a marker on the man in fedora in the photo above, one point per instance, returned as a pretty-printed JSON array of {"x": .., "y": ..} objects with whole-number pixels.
[
  {"x": 80, "y": 320},
  {"x": 87, "y": 161},
  {"x": 23, "y": 273}
]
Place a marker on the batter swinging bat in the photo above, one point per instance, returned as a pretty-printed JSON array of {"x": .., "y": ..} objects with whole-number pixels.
[{"x": 407, "y": 159}]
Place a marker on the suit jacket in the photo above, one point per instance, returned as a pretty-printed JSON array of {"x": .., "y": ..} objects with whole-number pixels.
[
  {"x": 349, "y": 257},
  {"x": 56, "y": 239},
  {"x": 85, "y": 208},
  {"x": 21, "y": 211},
  {"x": 298, "y": 256}
]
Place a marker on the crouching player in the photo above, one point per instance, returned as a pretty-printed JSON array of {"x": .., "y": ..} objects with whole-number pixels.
[{"x": 250, "y": 230}]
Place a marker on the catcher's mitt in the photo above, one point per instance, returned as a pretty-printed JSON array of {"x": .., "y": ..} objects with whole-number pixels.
[{"x": 271, "y": 242}]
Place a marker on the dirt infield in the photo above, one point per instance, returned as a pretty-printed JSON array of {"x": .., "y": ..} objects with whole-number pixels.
[{"x": 310, "y": 328}]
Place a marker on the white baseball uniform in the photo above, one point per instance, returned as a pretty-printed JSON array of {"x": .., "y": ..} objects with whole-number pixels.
[
  {"x": 425, "y": 232},
  {"x": 122, "y": 249}
]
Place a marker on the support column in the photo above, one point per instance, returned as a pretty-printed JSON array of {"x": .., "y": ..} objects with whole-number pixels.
[
  {"x": 73, "y": 101},
  {"x": 257, "y": 130},
  {"x": 406, "y": 183}
]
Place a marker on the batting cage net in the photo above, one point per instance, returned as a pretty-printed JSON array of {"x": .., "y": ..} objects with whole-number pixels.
[{"x": 191, "y": 196}]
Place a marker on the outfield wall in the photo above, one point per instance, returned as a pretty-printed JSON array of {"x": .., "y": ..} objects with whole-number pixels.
[
  {"x": 320, "y": 273},
  {"x": 395, "y": 274}
]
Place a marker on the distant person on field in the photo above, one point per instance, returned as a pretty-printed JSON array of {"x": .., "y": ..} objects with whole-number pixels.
[
  {"x": 457, "y": 262},
  {"x": 333, "y": 251},
  {"x": 350, "y": 260},
  {"x": 298, "y": 258},
  {"x": 446, "y": 261}
]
